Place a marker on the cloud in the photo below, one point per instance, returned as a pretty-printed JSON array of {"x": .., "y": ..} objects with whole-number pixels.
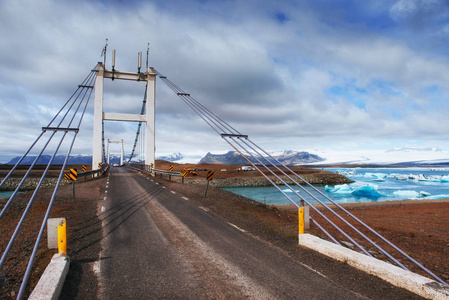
[{"x": 301, "y": 72}]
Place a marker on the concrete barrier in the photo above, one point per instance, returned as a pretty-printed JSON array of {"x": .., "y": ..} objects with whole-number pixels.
[
  {"x": 399, "y": 277},
  {"x": 51, "y": 282}
]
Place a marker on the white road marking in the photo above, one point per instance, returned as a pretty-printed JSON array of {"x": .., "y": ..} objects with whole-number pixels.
[
  {"x": 106, "y": 191},
  {"x": 96, "y": 267},
  {"x": 163, "y": 187},
  {"x": 174, "y": 193},
  {"x": 185, "y": 198},
  {"x": 236, "y": 227},
  {"x": 204, "y": 208},
  {"x": 105, "y": 198},
  {"x": 103, "y": 208}
]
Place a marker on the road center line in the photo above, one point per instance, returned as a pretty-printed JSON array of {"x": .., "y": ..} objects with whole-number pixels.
[
  {"x": 236, "y": 227},
  {"x": 185, "y": 198}
]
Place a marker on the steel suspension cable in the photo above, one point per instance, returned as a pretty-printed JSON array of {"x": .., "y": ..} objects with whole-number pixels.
[
  {"x": 227, "y": 131},
  {"x": 333, "y": 212},
  {"x": 42, "y": 133},
  {"x": 79, "y": 92},
  {"x": 218, "y": 122},
  {"x": 205, "y": 113},
  {"x": 358, "y": 220},
  {"x": 142, "y": 111},
  {"x": 75, "y": 109}
]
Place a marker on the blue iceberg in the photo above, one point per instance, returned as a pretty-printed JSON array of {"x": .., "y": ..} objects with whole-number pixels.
[{"x": 360, "y": 191}]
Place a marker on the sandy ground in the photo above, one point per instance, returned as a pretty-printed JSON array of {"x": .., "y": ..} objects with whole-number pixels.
[{"x": 420, "y": 228}]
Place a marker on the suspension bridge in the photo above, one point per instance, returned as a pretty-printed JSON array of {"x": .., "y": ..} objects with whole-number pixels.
[{"x": 193, "y": 254}]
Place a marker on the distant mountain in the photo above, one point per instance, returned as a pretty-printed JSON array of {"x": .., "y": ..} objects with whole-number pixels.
[
  {"x": 287, "y": 157},
  {"x": 230, "y": 158},
  {"x": 59, "y": 160},
  {"x": 172, "y": 157},
  {"x": 414, "y": 149}
]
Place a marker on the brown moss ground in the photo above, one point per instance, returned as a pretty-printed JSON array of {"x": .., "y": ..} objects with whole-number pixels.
[
  {"x": 419, "y": 228},
  {"x": 77, "y": 214}
]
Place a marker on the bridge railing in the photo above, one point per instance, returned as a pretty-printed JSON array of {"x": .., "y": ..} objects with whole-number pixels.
[
  {"x": 65, "y": 127},
  {"x": 263, "y": 162},
  {"x": 156, "y": 172},
  {"x": 95, "y": 173}
]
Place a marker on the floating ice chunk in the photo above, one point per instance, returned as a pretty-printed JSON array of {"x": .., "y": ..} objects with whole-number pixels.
[
  {"x": 339, "y": 189},
  {"x": 445, "y": 178},
  {"x": 421, "y": 177},
  {"x": 364, "y": 190},
  {"x": 290, "y": 191},
  {"x": 407, "y": 194},
  {"x": 438, "y": 197},
  {"x": 367, "y": 191},
  {"x": 435, "y": 178}
]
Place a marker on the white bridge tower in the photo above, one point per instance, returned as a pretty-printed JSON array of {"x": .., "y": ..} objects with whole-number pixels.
[
  {"x": 122, "y": 151},
  {"x": 148, "y": 118}
]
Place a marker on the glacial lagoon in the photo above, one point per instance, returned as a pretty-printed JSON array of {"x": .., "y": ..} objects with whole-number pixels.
[{"x": 371, "y": 184}]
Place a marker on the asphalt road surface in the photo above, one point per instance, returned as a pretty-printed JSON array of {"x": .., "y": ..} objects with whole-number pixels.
[{"x": 157, "y": 245}]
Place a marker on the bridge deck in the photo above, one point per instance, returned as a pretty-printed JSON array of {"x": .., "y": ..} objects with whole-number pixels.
[{"x": 157, "y": 244}]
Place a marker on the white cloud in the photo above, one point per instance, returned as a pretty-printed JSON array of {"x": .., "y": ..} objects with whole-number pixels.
[{"x": 266, "y": 76}]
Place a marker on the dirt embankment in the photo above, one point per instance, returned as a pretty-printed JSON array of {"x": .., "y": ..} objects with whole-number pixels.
[
  {"x": 83, "y": 230},
  {"x": 231, "y": 176},
  {"x": 34, "y": 176}
]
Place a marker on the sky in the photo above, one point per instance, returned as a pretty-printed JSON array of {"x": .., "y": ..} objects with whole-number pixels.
[{"x": 294, "y": 75}]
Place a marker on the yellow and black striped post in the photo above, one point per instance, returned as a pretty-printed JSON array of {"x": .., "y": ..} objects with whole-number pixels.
[
  {"x": 209, "y": 177},
  {"x": 99, "y": 165},
  {"x": 151, "y": 165},
  {"x": 170, "y": 168},
  {"x": 74, "y": 176},
  {"x": 84, "y": 168}
]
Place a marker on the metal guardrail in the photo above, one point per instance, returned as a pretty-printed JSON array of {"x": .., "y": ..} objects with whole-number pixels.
[
  {"x": 147, "y": 168},
  {"x": 97, "y": 172}
]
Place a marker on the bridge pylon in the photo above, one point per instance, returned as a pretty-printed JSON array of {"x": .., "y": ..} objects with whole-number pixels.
[
  {"x": 100, "y": 116},
  {"x": 122, "y": 151}
]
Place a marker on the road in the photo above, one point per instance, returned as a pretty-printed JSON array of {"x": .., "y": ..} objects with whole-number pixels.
[{"x": 157, "y": 245}]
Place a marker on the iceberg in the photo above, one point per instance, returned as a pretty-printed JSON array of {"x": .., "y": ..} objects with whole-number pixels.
[
  {"x": 367, "y": 191},
  {"x": 445, "y": 178},
  {"x": 407, "y": 194},
  {"x": 364, "y": 191},
  {"x": 339, "y": 189}
]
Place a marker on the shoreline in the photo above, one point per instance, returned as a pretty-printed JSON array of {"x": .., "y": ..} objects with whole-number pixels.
[{"x": 370, "y": 205}]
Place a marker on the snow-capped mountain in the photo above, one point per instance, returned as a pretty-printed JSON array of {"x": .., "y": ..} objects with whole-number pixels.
[
  {"x": 407, "y": 156},
  {"x": 288, "y": 157},
  {"x": 172, "y": 157}
]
